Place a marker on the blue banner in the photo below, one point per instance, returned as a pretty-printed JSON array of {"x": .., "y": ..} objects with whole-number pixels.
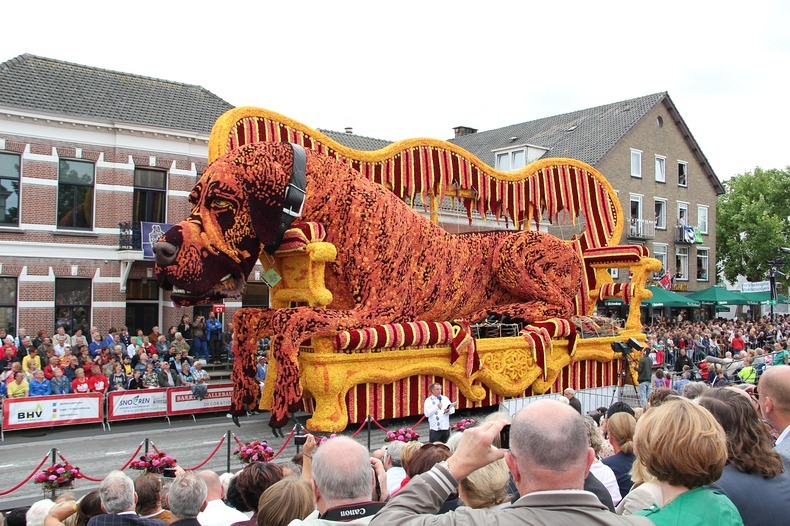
[{"x": 149, "y": 234}]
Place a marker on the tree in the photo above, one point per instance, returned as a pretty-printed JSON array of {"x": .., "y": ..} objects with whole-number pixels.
[{"x": 752, "y": 222}]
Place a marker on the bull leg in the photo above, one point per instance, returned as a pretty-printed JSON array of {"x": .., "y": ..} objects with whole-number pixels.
[{"x": 250, "y": 326}]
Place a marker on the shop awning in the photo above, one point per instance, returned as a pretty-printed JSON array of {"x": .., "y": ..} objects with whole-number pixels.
[{"x": 661, "y": 298}]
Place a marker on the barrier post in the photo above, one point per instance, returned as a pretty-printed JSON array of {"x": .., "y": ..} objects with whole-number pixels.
[
  {"x": 145, "y": 451},
  {"x": 54, "y": 454},
  {"x": 227, "y": 438},
  {"x": 370, "y": 418}
]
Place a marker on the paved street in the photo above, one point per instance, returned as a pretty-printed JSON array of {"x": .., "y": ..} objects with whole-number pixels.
[{"x": 97, "y": 452}]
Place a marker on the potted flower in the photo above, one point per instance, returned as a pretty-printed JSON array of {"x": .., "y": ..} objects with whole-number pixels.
[
  {"x": 57, "y": 477},
  {"x": 403, "y": 434},
  {"x": 255, "y": 451},
  {"x": 465, "y": 424},
  {"x": 153, "y": 462}
]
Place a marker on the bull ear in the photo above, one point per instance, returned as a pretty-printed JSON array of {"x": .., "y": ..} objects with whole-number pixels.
[{"x": 278, "y": 200}]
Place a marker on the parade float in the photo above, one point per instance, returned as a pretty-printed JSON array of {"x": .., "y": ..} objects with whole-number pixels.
[{"x": 372, "y": 301}]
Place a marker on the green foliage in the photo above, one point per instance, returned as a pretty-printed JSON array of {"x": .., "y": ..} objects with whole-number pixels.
[{"x": 752, "y": 221}]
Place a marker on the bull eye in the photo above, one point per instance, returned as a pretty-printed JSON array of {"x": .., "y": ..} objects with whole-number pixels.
[{"x": 220, "y": 204}]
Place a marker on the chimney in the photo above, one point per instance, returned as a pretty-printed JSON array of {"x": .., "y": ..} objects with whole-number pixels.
[
  {"x": 460, "y": 131},
  {"x": 349, "y": 130}
]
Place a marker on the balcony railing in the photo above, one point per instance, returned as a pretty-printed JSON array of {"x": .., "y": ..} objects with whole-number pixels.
[
  {"x": 641, "y": 229},
  {"x": 129, "y": 237}
]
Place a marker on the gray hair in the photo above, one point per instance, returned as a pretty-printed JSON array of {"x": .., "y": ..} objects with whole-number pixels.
[
  {"x": 341, "y": 470},
  {"x": 187, "y": 495},
  {"x": 556, "y": 443},
  {"x": 693, "y": 390},
  {"x": 37, "y": 512},
  {"x": 117, "y": 492},
  {"x": 393, "y": 452}
]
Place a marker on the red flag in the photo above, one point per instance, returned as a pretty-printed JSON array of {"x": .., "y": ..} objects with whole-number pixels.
[{"x": 666, "y": 281}]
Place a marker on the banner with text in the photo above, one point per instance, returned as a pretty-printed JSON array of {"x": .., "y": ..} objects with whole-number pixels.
[
  {"x": 137, "y": 403},
  {"x": 46, "y": 411},
  {"x": 181, "y": 402}
]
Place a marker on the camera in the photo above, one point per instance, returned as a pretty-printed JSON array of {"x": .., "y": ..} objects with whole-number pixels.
[
  {"x": 504, "y": 437},
  {"x": 300, "y": 439},
  {"x": 169, "y": 473}
]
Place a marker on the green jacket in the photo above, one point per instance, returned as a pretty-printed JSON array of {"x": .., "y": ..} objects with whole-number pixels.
[{"x": 698, "y": 507}]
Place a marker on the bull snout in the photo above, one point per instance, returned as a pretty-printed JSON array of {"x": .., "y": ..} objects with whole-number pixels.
[{"x": 165, "y": 253}]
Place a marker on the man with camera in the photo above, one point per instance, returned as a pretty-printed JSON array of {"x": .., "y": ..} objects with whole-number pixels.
[{"x": 549, "y": 457}]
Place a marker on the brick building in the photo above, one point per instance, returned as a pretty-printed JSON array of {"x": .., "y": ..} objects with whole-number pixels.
[{"x": 85, "y": 155}]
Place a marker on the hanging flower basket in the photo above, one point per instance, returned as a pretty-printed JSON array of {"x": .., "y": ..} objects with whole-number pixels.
[
  {"x": 255, "y": 451},
  {"x": 465, "y": 424},
  {"x": 153, "y": 462},
  {"x": 403, "y": 434},
  {"x": 56, "y": 478}
]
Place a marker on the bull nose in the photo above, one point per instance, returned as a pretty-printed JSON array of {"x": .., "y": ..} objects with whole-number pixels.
[{"x": 165, "y": 253}]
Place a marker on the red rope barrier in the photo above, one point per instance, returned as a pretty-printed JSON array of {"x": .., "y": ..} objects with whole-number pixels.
[
  {"x": 209, "y": 456},
  {"x": 134, "y": 455},
  {"x": 360, "y": 429},
  {"x": 32, "y": 474},
  {"x": 82, "y": 475},
  {"x": 239, "y": 442},
  {"x": 288, "y": 439},
  {"x": 155, "y": 448},
  {"x": 378, "y": 425},
  {"x": 418, "y": 421}
]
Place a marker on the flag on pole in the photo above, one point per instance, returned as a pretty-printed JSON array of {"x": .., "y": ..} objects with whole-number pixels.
[{"x": 666, "y": 281}]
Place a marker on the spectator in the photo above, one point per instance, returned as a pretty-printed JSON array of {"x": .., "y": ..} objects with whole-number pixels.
[
  {"x": 16, "y": 517},
  {"x": 774, "y": 399},
  {"x": 753, "y": 476},
  {"x": 659, "y": 396},
  {"x": 621, "y": 427},
  {"x": 645, "y": 492},
  {"x": 150, "y": 378},
  {"x": 186, "y": 498},
  {"x": 393, "y": 466},
  {"x": 38, "y": 511},
  {"x": 80, "y": 383},
  {"x": 118, "y": 501},
  {"x": 284, "y": 501},
  {"x": 486, "y": 487},
  {"x": 179, "y": 343},
  {"x": 199, "y": 343},
  {"x": 149, "y": 498},
  {"x": 574, "y": 402},
  {"x": 19, "y": 388},
  {"x": 693, "y": 390},
  {"x": 342, "y": 484},
  {"x": 82, "y": 510},
  {"x": 135, "y": 382},
  {"x": 214, "y": 337},
  {"x": 748, "y": 374},
  {"x": 40, "y": 385},
  {"x": 253, "y": 480},
  {"x": 423, "y": 460},
  {"x": 216, "y": 512},
  {"x": 32, "y": 357},
  {"x": 684, "y": 379},
  {"x": 118, "y": 379},
  {"x": 54, "y": 363},
  {"x": 684, "y": 447},
  {"x": 167, "y": 377},
  {"x": 598, "y": 469},
  {"x": 548, "y": 457},
  {"x": 185, "y": 327},
  {"x": 644, "y": 375},
  {"x": 660, "y": 381},
  {"x": 59, "y": 384},
  {"x": 200, "y": 380},
  {"x": 98, "y": 383}
]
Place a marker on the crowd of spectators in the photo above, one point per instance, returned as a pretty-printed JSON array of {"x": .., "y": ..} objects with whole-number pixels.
[
  {"x": 61, "y": 363},
  {"x": 705, "y": 458}
]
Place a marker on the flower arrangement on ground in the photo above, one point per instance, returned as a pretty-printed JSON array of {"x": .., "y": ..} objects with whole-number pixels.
[
  {"x": 255, "y": 451},
  {"x": 323, "y": 438},
  {"x": 153, "y": 462},
  {"x": 60, "y": 475},
  {"x": 403, "y": 434},
  {"x": 465, "y": 424}
]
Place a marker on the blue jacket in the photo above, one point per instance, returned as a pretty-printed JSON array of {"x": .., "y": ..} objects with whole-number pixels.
[
  {"x": 40, "y": 388},
  {"x": 213, "y": 327}
]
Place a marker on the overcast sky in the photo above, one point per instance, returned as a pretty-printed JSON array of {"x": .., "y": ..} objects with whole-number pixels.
[{"x": 396, "y": 70}]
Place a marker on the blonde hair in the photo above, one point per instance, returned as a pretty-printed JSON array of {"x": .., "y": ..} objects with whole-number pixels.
[
  {"x": 487, "y": 486},
  {"x": 682, "y": 444},
  {"x": 407, "y": 451},
  {"x": 290, "y": 498},
  {"x": 621, "y": 427}
]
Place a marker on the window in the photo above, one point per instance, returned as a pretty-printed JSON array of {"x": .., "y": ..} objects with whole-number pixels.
[
  {"x": 8, "y": 304},
  {"x": 683, "y": 214},
  {"x": 614, "y": 272},
  {"x": 683, "y": 172},
  {"x": 636, "y": 226},
  {"x": 150, "y": 194},
  {"x": 661, "y": 213},
  {"x": 73, "y": 304},
  {"x": 702, "y": 264},
  {"x": 682, "y": 263},
  {"x": 702, "y": 218},
  {"x": 511, "y": 161},
  {"x": 255, "y": 295},
  {"x": 661, "y": 169},
  {"x": 660, "y": 253},
  {"x": 9, "y": 189},
  {"x": 75, "y": 194},
  {"x": 636, "y": 163}
]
